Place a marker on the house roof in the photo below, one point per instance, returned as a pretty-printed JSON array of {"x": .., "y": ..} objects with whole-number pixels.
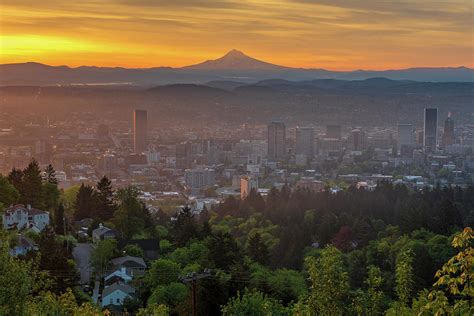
[
  {"x": 31, "y": 211},
  {"x": 121, "y": 260},
  {"x": 101, "y": 230},
  {"x": 118, "y": 286},
  {"x": 118, "y": 273},
  {"x": 25, "y": 242}
]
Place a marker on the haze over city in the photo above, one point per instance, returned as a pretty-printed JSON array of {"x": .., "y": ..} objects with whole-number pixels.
[{"x": 254, "y": 157}]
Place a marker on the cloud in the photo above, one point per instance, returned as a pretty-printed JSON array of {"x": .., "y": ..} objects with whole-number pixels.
[{"x": 349, "y": 34}]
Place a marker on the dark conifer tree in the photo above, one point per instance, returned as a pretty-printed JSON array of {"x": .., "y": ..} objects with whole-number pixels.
[
  {"x": 59, "y": 219},
  {"x": 15, "y": 177},
  {"x": 85, "y": 204},
  {"x": 31, "y": 190},
  {"x": 257, "y": 249},
  {"x": 105, "y": 199},
  {"x": 50, "y": 175}
]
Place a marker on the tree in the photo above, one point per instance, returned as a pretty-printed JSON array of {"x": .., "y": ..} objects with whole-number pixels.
[
  {"x": 163, "y": 271},
  {"x": 85, "y": 203},
  {"x": 455, "y": 278},
  {"x": 404, "y": 277},
  {"x": 257, "y": 249},
  {"x": 329, "y": 282},
  {"x": 15, "y": 177},
  {"x": 184, "y": 227},
  {"x": 8, "y": 194},
  {"x": 130, "y": 216},
  {"x": 31, "y": 189},
  {"x": 59, "y": 220},
  {"x": 223, "y": 250},
  {"x": 343, "y": 239},
  {"x": 64, "y": 304},
  {"x": 255, "y": 304},
  {"x": 101, "y": 255},
  {"x": 50, "y": 175},
  {"x": 51, "y": 196},
  {"x": 374, "y": 290},
  {"x": 15, "y": 281},
  {"x": 154, "y": 310},
  {"x": 172, "y": 294},
  {"x": 54, "y": 260},
  {"x": 133, "y": 250},
  {"x": 105, "y": 198}
]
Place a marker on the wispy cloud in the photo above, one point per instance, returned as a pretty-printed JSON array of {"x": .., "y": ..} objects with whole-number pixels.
[{"x": 308, "y": 33}]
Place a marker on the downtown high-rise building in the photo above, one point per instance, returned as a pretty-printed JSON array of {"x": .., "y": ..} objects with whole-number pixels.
[
  {"x": 276, "y": 140},
  {"x": 430, "y": 129},
  {"x": 406, "y": 139},
  {"x": 448, "y": 132},
  {"x": 139, "y": 131},
  {"x": 304, "y": 141},
  {"x": 406, "y": 135}
]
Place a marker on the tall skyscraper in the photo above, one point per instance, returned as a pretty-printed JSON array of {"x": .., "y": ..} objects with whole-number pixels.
[
  {"x": 333, "y": 131},
  {"x": 430, "y": 129},
  {"x": 406, "y": 139},
  {"x": 406, "y": 135},
  {"x": 139, "y": 131},
  {"x": 305, "y": 141},
  {"x": 276, "y": 140},
  {"x": 448, "y": 133}
]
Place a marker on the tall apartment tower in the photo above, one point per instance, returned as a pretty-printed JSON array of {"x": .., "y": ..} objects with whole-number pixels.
[
  {"x": 139, "y": 131},
  {"x": 448, "y": 133},
  {"x": 305, "y": 141},
  {"x": 276, "y": 140},
  {"x": 430, "y": 129}
]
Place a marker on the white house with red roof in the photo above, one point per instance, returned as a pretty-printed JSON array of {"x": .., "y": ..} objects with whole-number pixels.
[{"x": 21, "y": 217}]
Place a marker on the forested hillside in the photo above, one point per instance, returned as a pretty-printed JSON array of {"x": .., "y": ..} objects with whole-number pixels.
[{"x": 388, "y": 251}]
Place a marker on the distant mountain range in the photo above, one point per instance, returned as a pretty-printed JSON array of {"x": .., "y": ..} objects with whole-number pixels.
[{"x": 233, "y": 67}]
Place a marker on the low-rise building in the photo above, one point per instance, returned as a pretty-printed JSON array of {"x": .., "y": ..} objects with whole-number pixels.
[
  {"x": 21, "y": 217},
  {"x": 102, "y": 233}
]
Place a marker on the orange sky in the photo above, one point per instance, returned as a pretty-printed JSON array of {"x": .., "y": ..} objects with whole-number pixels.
[{"x": 331, "y": 34}]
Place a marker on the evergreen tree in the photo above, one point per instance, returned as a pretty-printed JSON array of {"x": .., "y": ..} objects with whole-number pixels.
[
  {"x": 54, "y": 260},
  {"x": 184, "y": 227},
  {"x": 32, "y": 186},
  {"x": 8, "y": 194},
  {"x": 257, "y": 249},
  {"x": 15, "y": 177},
  {"x": 59, "y": 220},
  {"x": 131, "y": 216},
  {"x": 50, "y": 175},
  {"x": 105, "y": 198},
  {"x": 85, "y": 203},
  {"x": 51, "y": 196}
]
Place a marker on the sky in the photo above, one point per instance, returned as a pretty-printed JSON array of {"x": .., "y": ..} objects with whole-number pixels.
[{"x": 330, "y": 34}]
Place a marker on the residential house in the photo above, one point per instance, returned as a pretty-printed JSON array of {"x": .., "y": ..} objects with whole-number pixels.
[
  {"x": 116, "y": 294},
  {"x": 102, "y": 233},
  {"x": 135, "y": 265},
  {"x": 122, "y": 274},
  {"x": 21, "y": 217},
  {"x": 22, "y": 246}
]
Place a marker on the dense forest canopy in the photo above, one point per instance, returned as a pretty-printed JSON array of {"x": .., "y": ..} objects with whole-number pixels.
[{"x": 390, "y": 251}]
